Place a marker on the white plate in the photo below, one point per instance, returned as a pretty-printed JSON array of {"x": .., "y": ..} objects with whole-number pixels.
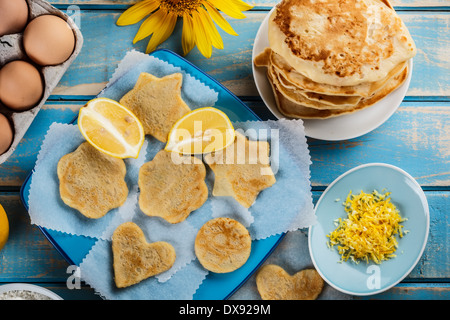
[
  {"x": 29, "y": 287},
  {"x": 334, "y": 129}
]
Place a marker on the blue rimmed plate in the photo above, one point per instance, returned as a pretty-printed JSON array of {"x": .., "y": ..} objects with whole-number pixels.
[
  {"x": 215, "y": 286},
  {"x": 364, "y": 279}
]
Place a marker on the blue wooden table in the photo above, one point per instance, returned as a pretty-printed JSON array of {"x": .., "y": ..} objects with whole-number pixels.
[{"x": 416, "y": 138}]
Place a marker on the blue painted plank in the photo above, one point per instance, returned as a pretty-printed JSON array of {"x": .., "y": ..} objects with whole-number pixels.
[
  {"x": 14, "y": 171},
  {"x": 416, "y": 138},
  {"x": 106, "y": 44},
  {"x": 28, "y": 254},
  {"x": 434, "y": 264},
  {"x": 29, "y": 257},
  {"x": 420, "y": 147},
  {"x": 439, "y": 291},
  {"x": 431, "y": 67},
  {"x": 257, "y": 3}
]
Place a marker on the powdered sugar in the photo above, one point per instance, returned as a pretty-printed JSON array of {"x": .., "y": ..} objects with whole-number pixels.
[
  {"x": 23, "y": 295},
  {"x": 26, "y": 291}
]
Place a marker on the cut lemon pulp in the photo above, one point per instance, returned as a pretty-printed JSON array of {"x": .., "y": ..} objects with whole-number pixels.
[
  {"x": 200, "y": 131},
  {"x": 111, "y": 128}
]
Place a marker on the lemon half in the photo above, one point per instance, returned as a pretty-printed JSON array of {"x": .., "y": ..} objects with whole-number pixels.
[
  {"x": 201, "y": 131},
  {"x": 111, "y": 128}
]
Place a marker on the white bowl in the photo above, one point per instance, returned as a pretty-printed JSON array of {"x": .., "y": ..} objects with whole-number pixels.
[{"x": 29, "y": 287}]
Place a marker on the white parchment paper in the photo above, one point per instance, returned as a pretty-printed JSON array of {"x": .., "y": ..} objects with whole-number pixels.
[{"x": 286, "y": 206}]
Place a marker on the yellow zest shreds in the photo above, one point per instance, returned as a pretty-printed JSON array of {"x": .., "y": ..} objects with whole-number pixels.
[{"x": 370, "y": 229}]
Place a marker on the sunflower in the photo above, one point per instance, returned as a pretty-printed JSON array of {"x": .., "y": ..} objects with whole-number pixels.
[{"x": 198, "y": 21}]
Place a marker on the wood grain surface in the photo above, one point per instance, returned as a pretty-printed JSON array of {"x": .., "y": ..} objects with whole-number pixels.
[
  {"x": 416, "y": 138},
  {"x": 105, "y": 45},
  {"x": 259, "y": 3}
]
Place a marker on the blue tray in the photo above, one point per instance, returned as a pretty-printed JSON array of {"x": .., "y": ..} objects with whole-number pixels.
[{"x": 216, "y": 286}]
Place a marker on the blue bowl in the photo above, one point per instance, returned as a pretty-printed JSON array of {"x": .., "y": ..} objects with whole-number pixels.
[{"x": 363, "y": 278}]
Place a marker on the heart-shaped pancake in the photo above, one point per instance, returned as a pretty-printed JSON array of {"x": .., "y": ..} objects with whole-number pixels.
[
  {"x": 134, "y": 259},
  {"x": 274, "y": 283}
]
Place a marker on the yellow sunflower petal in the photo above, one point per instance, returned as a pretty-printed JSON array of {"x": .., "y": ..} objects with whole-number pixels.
[
  {"x": 202, "y": 39},
  {"x": 163, "y": 32},
  {"x": 210, "y": 29},
  {"x": 219, "y": 19},
  {"x": 228, "y": 8},
  {"x": 137, "y": 12},
  {"x": 187, "y": 37},
  {"x": 241, "y": 5},
  {"x": 150, "y": 25}
]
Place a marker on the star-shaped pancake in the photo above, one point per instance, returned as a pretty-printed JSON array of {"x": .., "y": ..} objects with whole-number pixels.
[
  {"x": 241, "y": 170},
  {"x": 157, "y": 102}
]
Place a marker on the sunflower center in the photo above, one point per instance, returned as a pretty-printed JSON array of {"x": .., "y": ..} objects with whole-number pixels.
[{"x": 179, "y": 7}]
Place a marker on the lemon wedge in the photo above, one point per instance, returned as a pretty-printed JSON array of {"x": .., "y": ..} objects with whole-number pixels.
[
  {"x": 111, "y": 128},
  {"x": 4, "y": 227},
  {"x": 203, "y": 130}
]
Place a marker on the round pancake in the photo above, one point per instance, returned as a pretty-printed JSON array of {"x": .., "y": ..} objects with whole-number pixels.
[
  {"x": 222, "y": 245},
  {"x": 366, "y": 89},
  {"x": 298, "y": 97},
  {"x": 319, "y": 100},
  {"x": 295, "y": 109},
  {"x": 337, "y": 42}
]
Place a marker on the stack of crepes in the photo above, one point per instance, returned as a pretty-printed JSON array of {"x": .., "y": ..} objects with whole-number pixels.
[{"x": 327, "y": 58}]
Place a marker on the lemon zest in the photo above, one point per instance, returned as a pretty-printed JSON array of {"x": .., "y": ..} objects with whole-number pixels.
[{"x": 369, "y": 233}]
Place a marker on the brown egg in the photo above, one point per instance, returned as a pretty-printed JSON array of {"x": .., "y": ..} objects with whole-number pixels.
[
  {"x": 6, "y": 134},
  {"x": 13, "y": 16},
  {"x": 21, "y": 85},
  {"x": 48, "y": 40}
]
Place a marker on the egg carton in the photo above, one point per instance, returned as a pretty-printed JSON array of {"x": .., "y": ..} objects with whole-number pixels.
[{"x": 11, "y": 48}]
